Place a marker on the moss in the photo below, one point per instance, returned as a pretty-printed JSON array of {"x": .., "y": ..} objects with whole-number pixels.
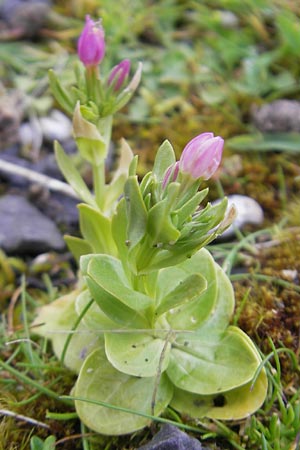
[{"x": 272, "y": 309}]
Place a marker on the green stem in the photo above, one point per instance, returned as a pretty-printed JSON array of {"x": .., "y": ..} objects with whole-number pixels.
[
  {"x": 99, "y": 184},
  {"x": 92, "y": 79},
  {"x": 105, "y": 128}
]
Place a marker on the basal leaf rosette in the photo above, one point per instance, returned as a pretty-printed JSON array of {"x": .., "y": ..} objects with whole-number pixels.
[{"x": 184, "y": 353}]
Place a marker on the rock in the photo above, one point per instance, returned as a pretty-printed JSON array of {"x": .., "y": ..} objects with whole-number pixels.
[
  {"x": 28, "y": 16},
  {"x": 171, "y": 438},
  {"x": 248, "y": 211},
  {"x": 24, "y": 229},
  {"x": 278, "y": 116}
]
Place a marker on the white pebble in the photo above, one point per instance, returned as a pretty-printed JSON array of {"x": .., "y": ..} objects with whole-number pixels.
[{"x": 248, "y": 211}]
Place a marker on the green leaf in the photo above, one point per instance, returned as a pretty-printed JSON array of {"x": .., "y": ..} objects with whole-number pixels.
[
  {"x": 212, "y": 364},
  {"x": 114, "y": 309},
  {"x": 94, "y": 319},
  {"x": 137, "y": 354},
  {"x": 165, "y": 157},
  {"x": 60, "y": 93},
  {"x": 96, "y": 230},
  {"x": 288, "y": 24},
  {"x": 184, "y": 292},
  {"x": 190, "y": 316},
  {"x": 159, "y": 224},
  {"x": 119, "y": 232},
  {"x": 72, "y": 175},
  {"x": 266, "y": 142},
  {"x": 108, "y": 273},
  {"x": 78, "y": 246},
  {"x": 115, "y": 188},
  {"x": 189, "y": 207},
  {"x": 56, "y": 320},
  {"x": 37, "y": 443},
  {"x": 136, "y": 211},
  {"x": 221, "y": 314},
  {"x": 234, "y": 404},
  {"x": 100, "y": 381}
]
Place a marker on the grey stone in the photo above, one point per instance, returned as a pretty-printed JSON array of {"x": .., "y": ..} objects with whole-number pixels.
[
  {"x": 171, "y": 438},
  {"x": 26, "y": 15},
  {"x": 278, "y": 116},
  {"x": 24, "y": 229}
]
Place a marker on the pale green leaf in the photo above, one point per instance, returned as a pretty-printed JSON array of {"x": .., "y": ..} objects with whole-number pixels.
[
  {"x": 184, "y": 292},
  {"x": 165, "y": 157},
  {"x": 96, "y": 230},
  {"x": 56, "y": 320},
  {"x": 72, "y": 175},
  {"x": 138, "y": 354},
  {"x": 114, "y": 309},
  {"x": 191, "y": 316},
  {"x": 235, "y": 404},
  {"x": 108, "y": 273},
  {"x": 78, "y": 246},
  {"x": 100, "y": 381},
  {"x": 212, "y": 364}
]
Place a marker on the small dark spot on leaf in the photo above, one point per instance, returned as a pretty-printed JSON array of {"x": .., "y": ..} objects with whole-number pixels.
[
  {"x": 133, "y": 346},
  {"x": 146, "y": 359},
  {"x": 125, "y": 362},
  {"x": 198, "y": 403},
  {"x": 185, "y": 343},
  {"x": 219, "y": 401}
]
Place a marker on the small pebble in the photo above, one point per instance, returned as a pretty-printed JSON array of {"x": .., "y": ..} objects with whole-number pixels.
[
  {"x": 57, "y": 126},
  {"x": 248, "y": 211}
]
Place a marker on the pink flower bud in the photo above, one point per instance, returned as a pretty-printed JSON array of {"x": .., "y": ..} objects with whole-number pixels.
[
  {"x": 202, "y": 156},
  {"x": 119, "y": 74},
  {"x": 170, "y": 174},
  {"x": 91, "y": 43}
]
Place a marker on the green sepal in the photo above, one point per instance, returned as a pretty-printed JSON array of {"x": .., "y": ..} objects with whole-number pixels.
[{"x": 72, "y": 175}]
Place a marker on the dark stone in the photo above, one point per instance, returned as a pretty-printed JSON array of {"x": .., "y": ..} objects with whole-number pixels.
[
  {"x": 171, "y": 438},
  {"x": 278, "y": 116},
  {"x": 62, "y": 210},
  {"x": 26, "y": 15},
  {"x": 24, "y": 229}
]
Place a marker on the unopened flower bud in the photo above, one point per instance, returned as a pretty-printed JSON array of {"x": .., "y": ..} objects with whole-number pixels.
[
  {"x": 91, "y": 44},
  {"x": 170, "y": 174},
  {"x": 119, "y": 74},
  {"x": 202, "y": 156}
]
